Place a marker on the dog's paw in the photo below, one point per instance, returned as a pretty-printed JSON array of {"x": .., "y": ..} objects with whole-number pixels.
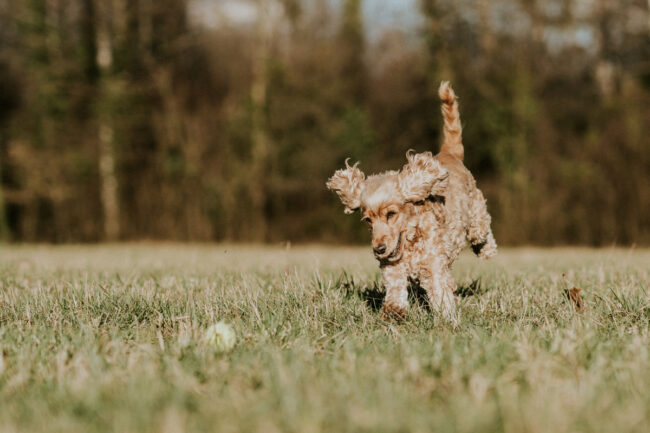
[{"x": 393, "y": 312}]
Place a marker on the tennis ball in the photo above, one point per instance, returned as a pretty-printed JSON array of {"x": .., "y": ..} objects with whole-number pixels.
[{"x": 221, "y": 336}]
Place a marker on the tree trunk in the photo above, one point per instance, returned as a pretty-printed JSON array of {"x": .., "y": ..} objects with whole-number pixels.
[
  {"x": 259, "y": 135},
  {"x": 353, "y": 71},
  {"x": 486, "y": 36},
  {"x": 4, "y": 229},
  {"x": 109, "y": 187}
]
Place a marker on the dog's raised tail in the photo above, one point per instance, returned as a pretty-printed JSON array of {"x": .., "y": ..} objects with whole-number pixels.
[{"x": 452, "y": 129}]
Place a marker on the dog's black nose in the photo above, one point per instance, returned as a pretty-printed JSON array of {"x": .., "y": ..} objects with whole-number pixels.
[{"x": 380, "y": 249}]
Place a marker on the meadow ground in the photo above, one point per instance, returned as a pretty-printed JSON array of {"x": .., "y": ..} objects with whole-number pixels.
[{"x": 110, "y": 338}]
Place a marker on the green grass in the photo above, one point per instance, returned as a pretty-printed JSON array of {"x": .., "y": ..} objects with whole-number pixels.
[{"x": 109, "y": 338}]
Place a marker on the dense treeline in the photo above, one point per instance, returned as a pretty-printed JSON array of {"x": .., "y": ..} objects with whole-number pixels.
[{"x": 128, "y": 119}]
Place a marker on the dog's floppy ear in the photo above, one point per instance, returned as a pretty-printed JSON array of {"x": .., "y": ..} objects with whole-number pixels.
[
  {"x": 422, "y": 176},
  {"x": 348, "y": 184}
]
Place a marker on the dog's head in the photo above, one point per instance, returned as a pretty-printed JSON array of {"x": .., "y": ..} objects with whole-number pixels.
[{"x": 387, "y": 200}]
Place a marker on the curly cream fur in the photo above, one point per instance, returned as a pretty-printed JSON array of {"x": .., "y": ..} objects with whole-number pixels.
[
  {"x": 348, "y": 184},
  {"x": 420, "y": 175},
  {"x": 421, "y": 217}
]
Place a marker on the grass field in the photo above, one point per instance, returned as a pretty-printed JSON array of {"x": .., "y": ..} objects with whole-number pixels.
[{"x": 110, "y": 338}]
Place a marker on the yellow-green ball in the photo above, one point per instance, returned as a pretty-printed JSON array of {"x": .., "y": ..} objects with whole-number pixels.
[{"x": 221, "y": 336}]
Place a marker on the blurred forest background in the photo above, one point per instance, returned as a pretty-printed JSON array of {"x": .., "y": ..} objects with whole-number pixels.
[{"x": 181, "y": 120}]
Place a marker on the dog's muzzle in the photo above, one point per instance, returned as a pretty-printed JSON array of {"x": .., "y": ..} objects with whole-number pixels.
[{"x": 394, "y": 255}]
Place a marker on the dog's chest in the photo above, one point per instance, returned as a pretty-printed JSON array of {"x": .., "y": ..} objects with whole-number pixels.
[{"x": 421, "y": 255}]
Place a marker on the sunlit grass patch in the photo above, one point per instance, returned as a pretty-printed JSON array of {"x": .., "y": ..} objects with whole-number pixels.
[{"x": 113, "y": 339}]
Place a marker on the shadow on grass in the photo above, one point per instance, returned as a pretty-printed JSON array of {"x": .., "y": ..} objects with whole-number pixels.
[
  {"x": 472, "y": 289},
  {"x": 373, "y": 294}
]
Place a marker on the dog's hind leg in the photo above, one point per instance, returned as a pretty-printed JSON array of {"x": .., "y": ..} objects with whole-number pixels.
[{"x": 479, "y": 233}]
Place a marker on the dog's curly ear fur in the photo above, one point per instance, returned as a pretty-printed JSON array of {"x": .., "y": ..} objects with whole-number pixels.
[
  {"x": 422, "y": 176},
  {"x": 348, "y": 184}
]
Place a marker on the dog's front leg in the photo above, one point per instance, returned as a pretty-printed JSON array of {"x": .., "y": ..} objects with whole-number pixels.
[
  {"x": 439, "y": 284},
  {"x": 395, "y": 280}
]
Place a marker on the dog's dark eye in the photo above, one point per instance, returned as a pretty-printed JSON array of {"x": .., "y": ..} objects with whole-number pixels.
[
  {"x": 390, "y": 214},
  {"x": 366, "y": 220}
]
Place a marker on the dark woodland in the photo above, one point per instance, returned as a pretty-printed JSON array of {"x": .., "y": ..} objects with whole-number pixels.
[{"x": 132, "y": 120}]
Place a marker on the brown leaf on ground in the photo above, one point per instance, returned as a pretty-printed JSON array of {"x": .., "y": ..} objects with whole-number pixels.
[{"x": 574, "y": 296}]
